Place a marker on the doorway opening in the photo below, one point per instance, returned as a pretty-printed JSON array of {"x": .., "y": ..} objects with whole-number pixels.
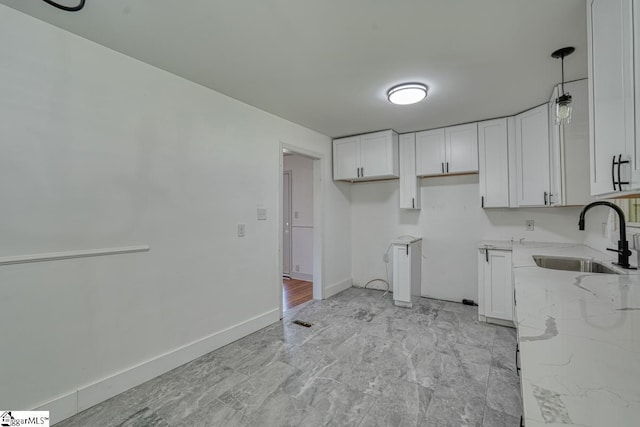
[{"x": 300, "y": 264}]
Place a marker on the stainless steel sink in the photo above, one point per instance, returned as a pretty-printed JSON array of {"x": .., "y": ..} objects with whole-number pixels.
[{"x": 585, "y": 265}]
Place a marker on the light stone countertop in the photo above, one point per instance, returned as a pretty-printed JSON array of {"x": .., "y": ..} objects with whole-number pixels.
[{"x": 579, "y": 337}]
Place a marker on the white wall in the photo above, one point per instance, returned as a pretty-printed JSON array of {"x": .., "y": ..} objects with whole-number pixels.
[
  {"x": 301, "y": 168},
  {"x": 100, "y": 150},
  {"x": 451, "y": 223}
]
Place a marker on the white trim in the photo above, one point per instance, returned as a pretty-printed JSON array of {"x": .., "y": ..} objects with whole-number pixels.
[
  {"x": 55, "y": 256},
  {"x": 302, "y": 276},
  {"x": 500, "y": 322},
  {"x": 318, "y": 219},
  {"x": 61, "y": 407},
  {"x": 336, "y": 288},
  {"x": 101, "y": 390}
]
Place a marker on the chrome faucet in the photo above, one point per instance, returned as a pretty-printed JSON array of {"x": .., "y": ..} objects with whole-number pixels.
[{"x": 623, "y": 246}]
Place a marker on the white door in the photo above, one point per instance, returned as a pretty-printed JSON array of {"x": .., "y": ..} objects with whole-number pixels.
[
  {"x": 376, "y": 154},
  {"x": 532, "y": 157},
  {"x": 494, "y": 163},
  {"x": 611, "y": 91},
  {"x": 498, "y": 285},
  {"x": 346, "y": 158},
  {"x": 430, "y": 152},
  {"x": 286, "y": 223},
  {"x": 462, "y": 148},
  {"x": 409, "y": 189}
]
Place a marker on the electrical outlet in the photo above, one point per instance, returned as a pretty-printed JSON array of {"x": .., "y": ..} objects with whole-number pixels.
[
  {"x": 241, "y": 230},
  {"x": 298, "y": 267},
  {"x": 385, "y": 258},
  {"x": 528, "y": 225},
  {"x": 262, "y": 214}
]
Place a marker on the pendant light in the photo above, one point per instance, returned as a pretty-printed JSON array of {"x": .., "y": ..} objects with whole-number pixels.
[{"x": 563, "y": 102}]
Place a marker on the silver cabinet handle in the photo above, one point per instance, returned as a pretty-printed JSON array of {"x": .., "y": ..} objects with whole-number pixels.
[
  {"x": 413, "y": 203},
  {"x": 447, "y": 167},
  {"x": 442, "y": 167},
  {"x": 482, "y": 202},
  {"x": 545, "y": 198}
]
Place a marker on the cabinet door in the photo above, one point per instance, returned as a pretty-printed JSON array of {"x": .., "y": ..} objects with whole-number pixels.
[
  {"x": 461, "y": 148},
  {"x": 532, "y": 157},
  {"x": 430, "y": 152},
  {"x": 493, "y": 163},
  {"x": 346, "y": 158},
  {"x": 401, "y": 274},
  {"x": 378, "y": 154},
  {"x": 610, "y": 24},
  {"x": 409, "y": 189},
  {"x": 498, "y": 285}
]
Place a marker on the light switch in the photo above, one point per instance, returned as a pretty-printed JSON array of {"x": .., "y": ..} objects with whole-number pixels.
[
  {"x": 240, "y": 230},
  {"x": 296, "y": 214},
  {"x": 262, "y": 214}
]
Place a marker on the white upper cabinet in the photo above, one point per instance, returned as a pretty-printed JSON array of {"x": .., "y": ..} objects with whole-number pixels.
[
  {"x": 611, "y": 95},
  {"x": 346, "y": 158},
  {"x": 451, "y": 150},
  {"x": 532, "y": 157},
  {"x": 409, "y": 189},
  {"x": 366, "y": 157},
  {"x": 430, "y": 152},
  {"x": 493, "y": 146},
  {"x": 461, "y": 148}
]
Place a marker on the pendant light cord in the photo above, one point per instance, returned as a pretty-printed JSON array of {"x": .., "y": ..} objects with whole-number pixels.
[
  {"x": 66, "y": 8},
  {"x": 562, "y": 74}
]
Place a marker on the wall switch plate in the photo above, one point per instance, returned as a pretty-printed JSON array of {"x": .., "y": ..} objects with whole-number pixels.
[
  {"x": 296, "y": 214},
  {"x": 528, "y": 225},
  {"x": 385, "y": 258},
  {"x": 297, "y": 267},
  {"x": 240, "y": 230},
  {"x": 262, "y": 214}
]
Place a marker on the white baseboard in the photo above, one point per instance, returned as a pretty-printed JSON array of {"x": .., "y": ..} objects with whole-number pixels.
[
  {"x": 336, "y": 288},
  {"x": 99, "y": 391},
  {"x": 500, "y": 322},
  {"x": 61, "y": 407},
  {"x": 301, "y": 276}
]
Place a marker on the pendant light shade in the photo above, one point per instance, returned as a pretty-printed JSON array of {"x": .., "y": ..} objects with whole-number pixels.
[
  {"x": 407, "y": 93},
  {"x": 563, "y": 101}
]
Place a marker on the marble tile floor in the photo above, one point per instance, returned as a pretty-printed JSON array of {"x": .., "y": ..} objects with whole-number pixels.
[{"x": 364, "y": 362}]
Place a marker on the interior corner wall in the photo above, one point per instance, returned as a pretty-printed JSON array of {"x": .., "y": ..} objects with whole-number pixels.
[
  {"x": 100, "y": 150},
  {"x": 301, "y": 168},
  {"x": 451, "y": 223}
]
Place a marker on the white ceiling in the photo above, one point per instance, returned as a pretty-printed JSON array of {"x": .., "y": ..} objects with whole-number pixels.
[{"x": 326, "y": 64}]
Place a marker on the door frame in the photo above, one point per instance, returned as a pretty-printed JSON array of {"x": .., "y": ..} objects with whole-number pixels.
[
  {"x": 287, "y": 172},
  {"x": 318, "y": 219}
]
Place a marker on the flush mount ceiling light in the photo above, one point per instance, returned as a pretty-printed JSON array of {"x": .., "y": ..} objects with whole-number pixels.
[
  {"x": 563, "y": 102},
  {"x": 407, "y": 93}
]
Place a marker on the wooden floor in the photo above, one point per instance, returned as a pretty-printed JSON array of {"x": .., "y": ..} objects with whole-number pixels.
[{"x": 296, "y": 292}]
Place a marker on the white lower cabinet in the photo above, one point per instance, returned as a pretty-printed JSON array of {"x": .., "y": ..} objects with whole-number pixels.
[
  {"x": 495, "y": 286},
  {"x": 407, "y": 271}
]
